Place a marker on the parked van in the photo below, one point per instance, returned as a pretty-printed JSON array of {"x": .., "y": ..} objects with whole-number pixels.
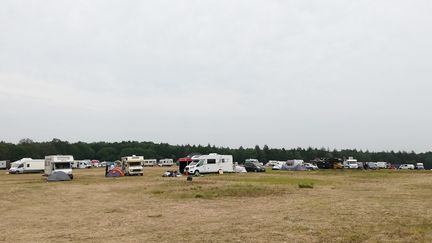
[
  {"x": 150, "y": 162},
  {"x": 406, "y": 167},
  {"x": 27, "y": 165},
  {"x": 382, "y": 165},
  {"x": 166, "y": 162},
  {"x": 133, "y": 165},
  {"x": 211, "y": 163},
  {"x": 62, "y": 163}
]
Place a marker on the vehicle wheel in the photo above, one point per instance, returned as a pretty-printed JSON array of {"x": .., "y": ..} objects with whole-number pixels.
[
  {"x": 196, "y": 173},
  {"x": 141, "y": 174},
  {"x": 71, "y": 177},
  {"x": 255, "y": 170}
]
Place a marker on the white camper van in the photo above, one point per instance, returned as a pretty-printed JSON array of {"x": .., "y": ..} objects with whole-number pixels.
[
  {"x": 166, "y": 162},
  {"x": 133, "y": 165},
  {"x": 350, "y": 163},
  {"x": 211, "y": 163},
  {"x": 150, "y": 162},
  {"x": 81, "y": 164},
  {"x": 27, "y": 165},
  {"x": 62, "y": 163}
]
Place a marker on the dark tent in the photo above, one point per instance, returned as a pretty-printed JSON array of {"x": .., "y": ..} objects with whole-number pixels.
[{"x": 59, "y": 176}]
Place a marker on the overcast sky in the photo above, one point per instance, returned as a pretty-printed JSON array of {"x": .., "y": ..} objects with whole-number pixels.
[{"x": 336, "y": 74}]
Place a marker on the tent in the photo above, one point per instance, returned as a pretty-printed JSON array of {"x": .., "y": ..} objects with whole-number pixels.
[
  {"x": 116, "y": 172},
  {"x": 58, "y": 176},
  {"x": 240, "y": 169}
]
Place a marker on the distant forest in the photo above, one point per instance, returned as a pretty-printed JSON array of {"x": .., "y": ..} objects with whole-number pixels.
[{"x": 113, "y": 151}]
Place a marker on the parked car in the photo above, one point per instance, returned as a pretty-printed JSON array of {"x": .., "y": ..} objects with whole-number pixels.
[
  {"x": 310, "y": 166},
  {"x": 406, "y": 167},
  {"x": 254, "y": 167}
]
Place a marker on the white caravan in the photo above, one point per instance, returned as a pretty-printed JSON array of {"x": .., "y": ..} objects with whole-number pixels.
[
  {"x": 133, "y": 165},
  {"x": 150, "y": 162},
  {"x": 350, "y": 163},
  {"x": 211, "y": 163},
  {"x": 27, "y": 165},
  {"x": 62, "y": 163},
  {"x": 294, "y": 162},
  {"x": 166, "y": 162}
]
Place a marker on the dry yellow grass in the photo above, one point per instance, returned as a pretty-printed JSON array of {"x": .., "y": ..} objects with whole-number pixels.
[{"x": 342, "y": 206}]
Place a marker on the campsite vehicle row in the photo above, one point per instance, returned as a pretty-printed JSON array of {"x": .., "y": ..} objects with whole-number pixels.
[{"x": 197, "y": 164}]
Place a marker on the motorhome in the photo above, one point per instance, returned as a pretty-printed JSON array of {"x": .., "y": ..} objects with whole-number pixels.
[
  {"x": 350, "y": 163},
  {"x": 133, "y": 165},
  {"x": 27, "y": 165},
  {"x": 211, "y": 163},
  {"x": 61, "y": 163},
  {"x": 150, "y": 162},
  {"x": 166, "y": 162},
  {"x": 4, "y": 164}
]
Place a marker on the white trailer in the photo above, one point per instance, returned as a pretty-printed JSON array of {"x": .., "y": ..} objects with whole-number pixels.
[
  {"x": 27, "y": 165},
  {"x": 211, "y": 163},
  {"x": 166, "y": 162},
  {"x": 62, "y": 163},
  {"x": 150, "y": 162},
  {"x": 133, "y": 165}
]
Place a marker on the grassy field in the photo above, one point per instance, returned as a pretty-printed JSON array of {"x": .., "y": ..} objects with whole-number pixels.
[{"x": 323, "y": 206}]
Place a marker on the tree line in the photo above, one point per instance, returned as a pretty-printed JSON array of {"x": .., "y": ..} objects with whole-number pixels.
[{"x": 104, "y": 151}]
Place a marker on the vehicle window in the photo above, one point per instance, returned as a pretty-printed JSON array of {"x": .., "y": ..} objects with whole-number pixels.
[
  {"x": 211, "y": 161},
  {"x": 28, "y": 165}
]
